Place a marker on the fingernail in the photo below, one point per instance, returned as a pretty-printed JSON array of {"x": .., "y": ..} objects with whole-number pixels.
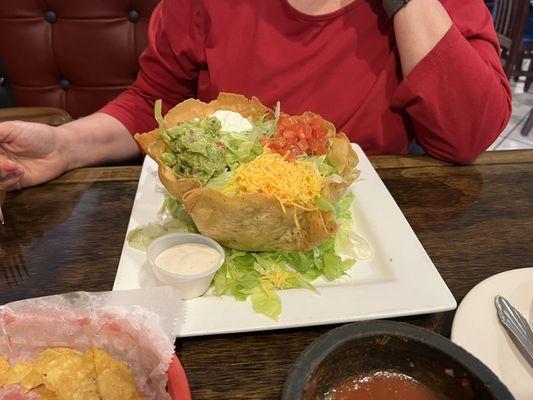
[
  {"x": 8, "y": 165},
  {"x": 17, "y": 172}
]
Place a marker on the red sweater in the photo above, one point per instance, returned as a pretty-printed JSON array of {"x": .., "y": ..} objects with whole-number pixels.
[{"x": 343, "y": 66}]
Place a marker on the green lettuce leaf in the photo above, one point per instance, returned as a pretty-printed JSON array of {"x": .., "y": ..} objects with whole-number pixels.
[
  {"x": 323, "y": 204},
  {"x": 267, "y": 302},
  {"x": 177, "y": 221},
  {"x": 322, "y": 163},
  {"x": 258, "y": 275},
  {"x": 158, "y": 111},
  {"x": 343, "y": 208},
  {"x": 265, "y": 128},
  {"x": 241, "y": 147},
  {"x": 220, "y": 182},
  {"x": 141, "y": 237}
]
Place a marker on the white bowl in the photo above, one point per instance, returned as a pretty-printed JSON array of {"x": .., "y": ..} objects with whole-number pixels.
[{"x": 189, "y": 286}]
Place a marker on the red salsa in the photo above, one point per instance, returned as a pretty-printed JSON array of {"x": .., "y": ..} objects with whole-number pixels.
[
  {"x": 382, "y": 386},
  {"x": 304, "y": 134}
]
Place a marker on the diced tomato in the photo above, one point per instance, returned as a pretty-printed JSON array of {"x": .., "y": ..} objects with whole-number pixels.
[{"x": 298, "y": 135}]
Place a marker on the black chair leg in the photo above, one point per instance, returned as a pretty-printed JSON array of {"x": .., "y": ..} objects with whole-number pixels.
[
  {"x": 518, "y": 67},
  {"x": 529, "y": 75},
  {"x": 528, "y": 125},
  {"x": 528, "y": 83}
]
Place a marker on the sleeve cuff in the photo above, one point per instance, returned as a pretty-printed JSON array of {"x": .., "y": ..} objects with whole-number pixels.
[
  {"x": 131, "y": 114},
  {"x": 423, "y": 74}
]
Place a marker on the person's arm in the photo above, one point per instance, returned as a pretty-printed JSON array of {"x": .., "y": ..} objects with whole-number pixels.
[
  {"x": 107, "y": 139},
  {"x": 418, "y": 27},
  {"x": 169, "y": 66},
  {"x": 35, "y": 153},
  {"x": 454, "y": 88}
]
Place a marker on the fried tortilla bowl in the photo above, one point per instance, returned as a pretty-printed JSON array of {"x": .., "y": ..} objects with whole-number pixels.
[
  {"x": 251, "y": 222},
  {"x": 187, "y": 110}
]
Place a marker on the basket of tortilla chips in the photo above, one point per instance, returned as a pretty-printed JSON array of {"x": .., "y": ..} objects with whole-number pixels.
[
  {"x": 252, "y": 178},
  {"x": 109, "y": 346}
]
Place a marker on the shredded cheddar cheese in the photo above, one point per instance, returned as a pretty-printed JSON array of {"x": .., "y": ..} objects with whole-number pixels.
[
  {"x": 296, "y": 183},
  {"x": 279, "y": 278}
]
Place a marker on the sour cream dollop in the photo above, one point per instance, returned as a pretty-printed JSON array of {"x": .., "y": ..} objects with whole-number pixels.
[
  {"x": 232, "y": 121},
  {"x": 188, "y": 259}
]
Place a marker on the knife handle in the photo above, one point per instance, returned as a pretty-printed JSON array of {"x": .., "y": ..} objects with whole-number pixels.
[{"x": 511, "y": 318}]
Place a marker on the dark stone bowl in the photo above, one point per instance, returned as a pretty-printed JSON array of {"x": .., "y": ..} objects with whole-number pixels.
[{"x": 366, "y": 347}]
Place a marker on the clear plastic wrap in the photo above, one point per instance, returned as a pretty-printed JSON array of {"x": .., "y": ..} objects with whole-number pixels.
[{"x": 136, "y": 326}]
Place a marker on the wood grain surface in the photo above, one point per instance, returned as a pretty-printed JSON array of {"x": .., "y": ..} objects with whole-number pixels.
[{"x": 474, "y": 221}]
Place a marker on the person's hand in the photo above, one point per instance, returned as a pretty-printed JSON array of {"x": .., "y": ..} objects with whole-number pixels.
[{"x": 30, "y": 154}]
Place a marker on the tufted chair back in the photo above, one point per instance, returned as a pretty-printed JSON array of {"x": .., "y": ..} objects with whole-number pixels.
[
  {"x": 72, "y": 54},
  {"x": 6, "y": 97}
]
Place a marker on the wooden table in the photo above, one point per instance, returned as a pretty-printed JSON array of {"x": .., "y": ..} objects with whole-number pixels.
[{"x": 474, "y": 222}]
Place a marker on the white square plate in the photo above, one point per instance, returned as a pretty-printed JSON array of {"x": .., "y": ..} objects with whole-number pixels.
[{"x": 398, "y": 280}]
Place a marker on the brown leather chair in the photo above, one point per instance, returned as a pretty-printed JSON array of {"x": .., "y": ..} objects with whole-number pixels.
[{"x": 72, "y": 55}]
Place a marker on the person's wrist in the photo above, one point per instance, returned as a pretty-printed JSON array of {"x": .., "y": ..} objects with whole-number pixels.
[
  {"x": 393, "y": 7},
  {"x": 65, "y": 147}
]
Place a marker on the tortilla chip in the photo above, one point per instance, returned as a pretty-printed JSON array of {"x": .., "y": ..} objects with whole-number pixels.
[
  {"x": 45, "y": 394},
  {"x": 68, "y": 373},
  {"x": 344, "y": 158},
  {"x": 32, "y": 380},
  {"x": 5, "y": 367},
  {"x": 154, "y": 146},
  {"x": 342, "y": 155},
  {"x": 176, "y": 187},
  {"x": 23, "y": 374},
  {"x": 256, "y": 222},
  {"x": 151, "y": 143},
  {"x": 52, "y": 357},
  {"x": 115, "y": 380},
  {"x": 193, "y": 108}
]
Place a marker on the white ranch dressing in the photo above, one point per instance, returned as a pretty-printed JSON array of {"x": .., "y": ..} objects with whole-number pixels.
[{"x": 188, "y": 259}]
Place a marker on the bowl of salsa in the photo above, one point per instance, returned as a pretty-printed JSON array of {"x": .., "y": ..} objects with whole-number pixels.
[{"x": 387, "y": 360}]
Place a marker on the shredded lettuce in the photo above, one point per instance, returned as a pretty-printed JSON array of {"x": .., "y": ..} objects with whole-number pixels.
[
  {"x": 174, "y": 208},
  {"x": 259, "y": 275},
  {"x": 323, "y": 204},
  {"x": 220, "y": 182},
  {"x": 158, "y": 111},
  {"x": 265, "y": 128},
  {"x": 322, "y": 260},
  {"x": 343, "y": 208},
  {"x": 322, "y": 163},
  {"x": 347, "y": 241},
  {"x": 241, "y": 147},
  {"x": 201, "y": 149},
  {"x": 266, "y": 302},
  {"x": 173, "y": 218},
  {"x": 141, "y": 237}
]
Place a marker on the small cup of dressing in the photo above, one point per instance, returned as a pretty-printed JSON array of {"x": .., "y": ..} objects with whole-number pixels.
[{"x": 187, "y": 261}]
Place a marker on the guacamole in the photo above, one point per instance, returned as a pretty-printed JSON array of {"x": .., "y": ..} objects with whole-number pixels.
[{"x": 195, "y": 149}]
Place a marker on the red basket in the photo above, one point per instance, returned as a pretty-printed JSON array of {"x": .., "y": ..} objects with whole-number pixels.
[{"x": 178, "y": 385}]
